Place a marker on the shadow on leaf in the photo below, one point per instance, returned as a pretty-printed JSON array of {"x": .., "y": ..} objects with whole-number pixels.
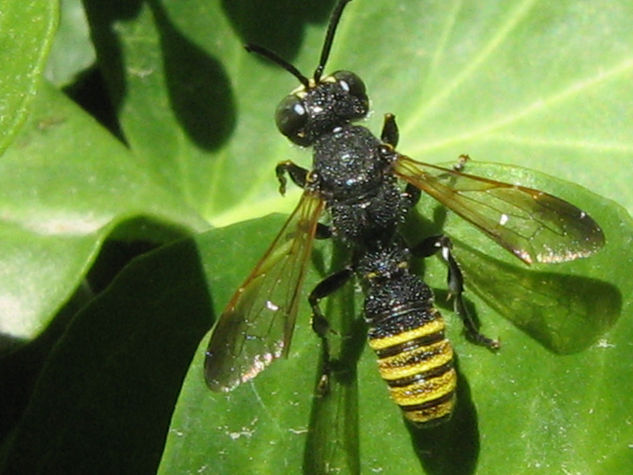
[
  {"x": 278, "y": 26},
  {"x": 451, "y": 447},
  {"x": 199, "y": 88},
  {"x": 564, "y": 313},
  {"x": 333, "y": 438},
  {"x": 120, "y": 364}
]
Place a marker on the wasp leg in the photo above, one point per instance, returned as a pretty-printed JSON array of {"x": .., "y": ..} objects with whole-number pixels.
[
  {"x": 320, "y": 324},
  {"x": 389, "y": 134},
  {"x": 455, "y": 282},
  {"x": 461, "y": 162},
  {"x": 296, "y": 173},
  {"x": 412, "y": 195},
  {"x": 323, "y": 231}
]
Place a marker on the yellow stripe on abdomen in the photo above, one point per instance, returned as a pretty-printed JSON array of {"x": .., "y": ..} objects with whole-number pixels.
[
  {"x": 414, "y": 361},
  {"x": 417, "y": 364},
  {"x": 429, "y": 328}
]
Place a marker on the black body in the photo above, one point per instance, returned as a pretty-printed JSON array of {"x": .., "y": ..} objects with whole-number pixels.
[
  {"x": 356, "y": 177},
  {"x": 355, "y": 180}
]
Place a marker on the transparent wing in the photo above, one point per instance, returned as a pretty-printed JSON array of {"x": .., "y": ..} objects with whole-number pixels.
[
  {"x": 257, "y": 324},
  {"x": 535, "y": 226}
]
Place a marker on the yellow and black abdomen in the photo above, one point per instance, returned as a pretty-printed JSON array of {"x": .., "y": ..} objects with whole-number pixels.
[{"x": 414, "y": 357}]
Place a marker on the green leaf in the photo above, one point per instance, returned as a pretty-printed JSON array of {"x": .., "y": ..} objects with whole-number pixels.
[
  {"x": 66, "y": 185},
  {"x": 27, "y": 30},
  {"x": 544, "y": 86},
  {"x": 103, "y": 400},
  {"x": 72, "y": 51}
]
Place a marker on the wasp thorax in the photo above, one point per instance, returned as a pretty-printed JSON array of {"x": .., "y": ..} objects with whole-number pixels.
[
  {"x": 384, "y": 261},
  {"x": 310, "y": 112}
]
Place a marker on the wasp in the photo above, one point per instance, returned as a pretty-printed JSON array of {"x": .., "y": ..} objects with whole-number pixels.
[{"x": 367, "y": 188}]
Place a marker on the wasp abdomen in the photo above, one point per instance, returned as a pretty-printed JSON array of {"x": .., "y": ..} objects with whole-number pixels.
[{"x": 417, "y": 364}]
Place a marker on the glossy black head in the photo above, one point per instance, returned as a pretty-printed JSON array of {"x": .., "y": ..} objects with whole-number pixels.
[
  {"x": 320, "y": 104},
  {"x": 308, "y": 113}
]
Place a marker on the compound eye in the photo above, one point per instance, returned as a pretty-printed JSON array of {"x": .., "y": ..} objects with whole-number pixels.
[
  {"x": 291, "y": 117},
  {"x": 352, "y": 84}
]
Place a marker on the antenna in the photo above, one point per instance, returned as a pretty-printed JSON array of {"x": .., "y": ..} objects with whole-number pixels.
[
  {"x": 325, "y": 52},
  {"x": 329, "y": 37},
  {"x": 275, "y": 58}
]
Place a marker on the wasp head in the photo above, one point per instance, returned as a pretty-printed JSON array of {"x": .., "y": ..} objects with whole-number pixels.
[
  {"x": 321, "y": 104},
  {"x": 311, "y": 111}
]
